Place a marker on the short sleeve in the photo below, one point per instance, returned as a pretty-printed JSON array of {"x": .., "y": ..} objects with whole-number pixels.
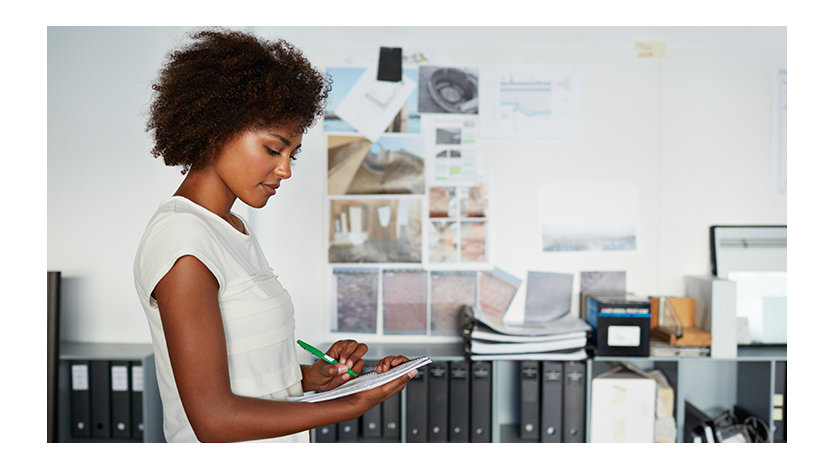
[{"x": 169, "y": 238}]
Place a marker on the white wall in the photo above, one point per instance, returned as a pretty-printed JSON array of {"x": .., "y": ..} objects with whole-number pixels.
[{"x": 692, "y": 130}]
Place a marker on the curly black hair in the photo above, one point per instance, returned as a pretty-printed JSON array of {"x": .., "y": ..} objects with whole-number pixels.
[{"x": 226, "y": 82}]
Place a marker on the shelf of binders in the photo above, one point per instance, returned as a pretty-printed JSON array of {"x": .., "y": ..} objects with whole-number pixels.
[
  {"x": 450, "y": 400},
  {"x": 108, "y": 393},
  {"x": 752, "y": 381},
  {"x": 453, "y": 400}
]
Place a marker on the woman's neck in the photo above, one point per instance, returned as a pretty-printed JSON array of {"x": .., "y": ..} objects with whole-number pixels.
[{"x": 205, "y": 189}]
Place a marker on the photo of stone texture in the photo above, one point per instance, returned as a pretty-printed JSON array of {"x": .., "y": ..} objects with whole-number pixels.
[
  {"x": 548, "y": 296},
  {"x": 473, "y": 240},
  {"x": 496, "y": 290},
  {"x": 394, "y": 164},
  {"x": 602, "y": 281},
  {"x": 375, "y": 230},
  {"x": 404, "y": 308},
  {"x": 355, "y": 293},
  {"x": 443, "y": 241},
  {"x": 450, "y": 290},
  {"x": 443, "y": 201},
  {"x": 473, "y": 200}
]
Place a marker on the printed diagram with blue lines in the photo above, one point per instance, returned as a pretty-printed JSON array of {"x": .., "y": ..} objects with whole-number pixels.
[
  {"x": 542, "y": 102},
  {"x": 529, "y": 99}
]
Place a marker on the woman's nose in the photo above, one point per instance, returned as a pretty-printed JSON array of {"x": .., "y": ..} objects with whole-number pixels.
[{"x": 283, "y": 169}]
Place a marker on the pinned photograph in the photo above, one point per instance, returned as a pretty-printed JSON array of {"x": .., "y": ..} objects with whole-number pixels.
[
  {"x": 355, "y": 291},
  {"x": 443, "y": 201},
  {"x": 393, "y": 164},
  {"x": 406, "y": 120},
  {"x": 404, "y": 308},
  {"x": 473, "y": 241},
  {"x": 448, "y": 90},
  {"x": 443, "y": 241},
  {"x": 473, "y": 200},
  {"x": 496, "y": 290},
  {"x": 457, "y": 234},
  {"x": 451, "y": 148},
  {"x": 375, "y": 230},
  {"x": 450, "y": 291},
  {"x": 370, "y": 105},
  {"x": 548, "y": 296},
  {"x": 602, "y": 281},
  {"x": 588, "y": 216}
]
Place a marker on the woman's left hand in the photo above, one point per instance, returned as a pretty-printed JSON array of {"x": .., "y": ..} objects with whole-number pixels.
[{"x": 324, "y": 376}]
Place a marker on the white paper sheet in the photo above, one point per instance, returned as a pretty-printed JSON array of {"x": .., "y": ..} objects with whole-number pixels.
[
  {"x": 371, "y": 104},
  {"x": 451, "y": 148},
  {"x": 534, "y": 102}
]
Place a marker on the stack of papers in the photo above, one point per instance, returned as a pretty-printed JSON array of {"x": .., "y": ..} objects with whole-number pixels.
[{"x": 486, "y": 338}]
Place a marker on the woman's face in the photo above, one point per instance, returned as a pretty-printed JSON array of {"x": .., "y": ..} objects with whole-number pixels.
[{"x": 253, "y": 164}]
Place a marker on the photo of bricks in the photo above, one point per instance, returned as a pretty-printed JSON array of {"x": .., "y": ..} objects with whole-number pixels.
[
  {"x": 496, "y": 290},
  {"x": 473, "y": 240},
  {"x": 443, "y": 201},
  {"x": 356, "y": 292},
  {"x": 450, "y": 290},
  {"x": 404, "y": 301}
]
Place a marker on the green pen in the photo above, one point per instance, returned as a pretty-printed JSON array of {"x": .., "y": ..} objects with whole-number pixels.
[{"x": 322, "y": 355}]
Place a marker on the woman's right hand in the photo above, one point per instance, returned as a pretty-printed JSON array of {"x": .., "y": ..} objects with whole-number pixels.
[{"x": 367, "y": 399}]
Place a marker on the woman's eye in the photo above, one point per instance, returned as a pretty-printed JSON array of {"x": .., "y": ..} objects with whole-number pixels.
[{"x": 276, "y": 153}]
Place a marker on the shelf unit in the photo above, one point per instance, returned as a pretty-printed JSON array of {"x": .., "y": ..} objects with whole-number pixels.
[
  {"x": 151, "y": 402},
  {"x": 711, "y": 384}
]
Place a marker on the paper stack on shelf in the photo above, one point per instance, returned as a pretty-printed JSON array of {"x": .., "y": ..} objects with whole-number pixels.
[
  {"x": 487, "y": 338},
  {"x": 662, "y": 349}
]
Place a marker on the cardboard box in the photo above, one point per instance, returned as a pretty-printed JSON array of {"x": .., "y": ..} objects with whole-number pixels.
[{"x": 623, "y": 408}]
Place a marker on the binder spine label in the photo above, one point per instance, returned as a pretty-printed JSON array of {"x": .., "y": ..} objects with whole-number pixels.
[
  {"x": 137, "y": 378},
  {"x": 80, "y": 377},
  {"x": 118, "y": 377},
  {"x": 530, "y": 408}
]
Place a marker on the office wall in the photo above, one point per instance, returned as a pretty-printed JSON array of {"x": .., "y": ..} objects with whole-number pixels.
[{"x": 693, "y": 131}]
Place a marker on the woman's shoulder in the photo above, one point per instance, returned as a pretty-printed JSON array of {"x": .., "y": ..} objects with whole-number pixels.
[
  {"x": 180, "y": 213},
  {"x": 175, "y": 223}
]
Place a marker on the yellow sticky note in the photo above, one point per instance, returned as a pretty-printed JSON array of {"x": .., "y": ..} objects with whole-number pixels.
[
  {"x": 777, "y": 414},
  {"x": 651, "y": 49}
]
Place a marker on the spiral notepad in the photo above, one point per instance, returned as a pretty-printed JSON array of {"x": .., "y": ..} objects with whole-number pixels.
[{"x": 364, "y": 382}]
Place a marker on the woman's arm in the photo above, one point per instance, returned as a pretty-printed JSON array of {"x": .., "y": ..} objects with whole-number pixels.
[{"x": 188, "y": 305}]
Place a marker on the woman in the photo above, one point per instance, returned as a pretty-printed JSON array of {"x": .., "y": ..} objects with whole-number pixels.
[{"x": 231, "y": 109}]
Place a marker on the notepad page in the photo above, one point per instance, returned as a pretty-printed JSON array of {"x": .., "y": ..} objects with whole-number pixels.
[{"x": 364, "y": 382}]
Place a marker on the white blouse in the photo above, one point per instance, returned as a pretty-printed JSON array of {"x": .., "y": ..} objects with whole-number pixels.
[{"x": 256, "y": 310}]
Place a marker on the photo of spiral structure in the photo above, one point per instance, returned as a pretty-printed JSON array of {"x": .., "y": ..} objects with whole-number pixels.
[{"x": 447, "y": 90}]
